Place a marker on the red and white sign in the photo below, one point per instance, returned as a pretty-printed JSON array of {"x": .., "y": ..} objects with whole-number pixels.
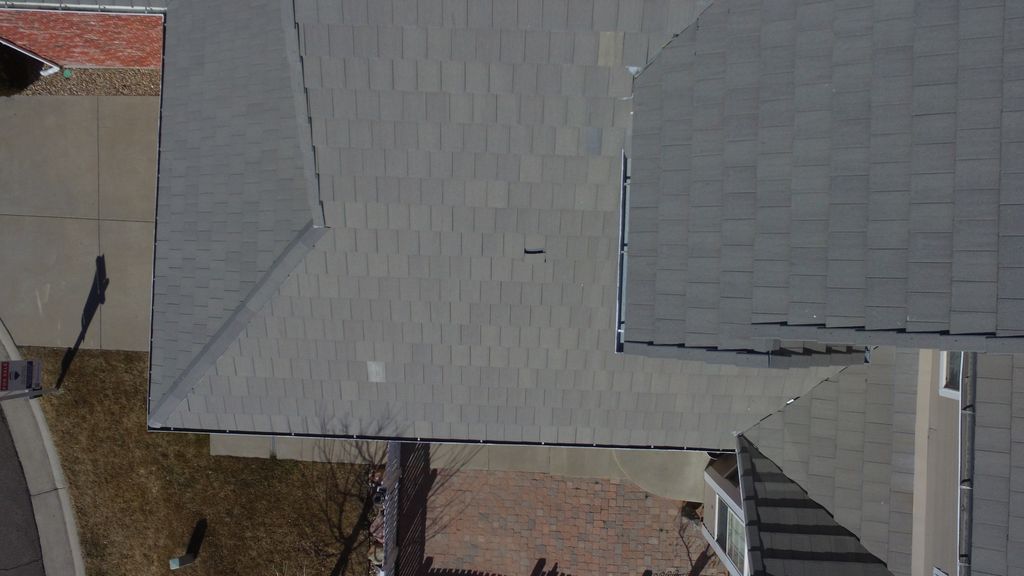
[{"x": 19, "y": 375}]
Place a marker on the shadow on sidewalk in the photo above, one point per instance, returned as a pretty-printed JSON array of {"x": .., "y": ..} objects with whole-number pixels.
[{"x": 97, "y": 297}]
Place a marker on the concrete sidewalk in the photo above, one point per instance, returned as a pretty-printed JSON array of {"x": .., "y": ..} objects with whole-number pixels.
[
  {"x": 44, "y": 481},
  {"x": 79, "y": 181}
]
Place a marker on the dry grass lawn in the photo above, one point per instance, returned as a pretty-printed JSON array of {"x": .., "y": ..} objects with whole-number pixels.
[{"x": 137, "y": 494}]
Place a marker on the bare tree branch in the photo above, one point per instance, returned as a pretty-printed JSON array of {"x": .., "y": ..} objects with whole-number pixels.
[
  {"x": 691, "y": 515},
  {"x": 344, "y": 486}
]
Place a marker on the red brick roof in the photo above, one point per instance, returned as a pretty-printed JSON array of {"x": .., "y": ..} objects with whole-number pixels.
[{"x": 82, "y": 39}]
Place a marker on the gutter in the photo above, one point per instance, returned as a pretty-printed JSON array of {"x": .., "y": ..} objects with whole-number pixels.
[
  {"x": 429, "y": 440},
  {"x": 966, "y": 496},
  {"x": 620, "y": 290},
  {"x": 113, "y": 8}
]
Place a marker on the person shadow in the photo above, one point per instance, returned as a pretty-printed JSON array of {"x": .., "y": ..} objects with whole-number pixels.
[{"x": 97, "y": 297}]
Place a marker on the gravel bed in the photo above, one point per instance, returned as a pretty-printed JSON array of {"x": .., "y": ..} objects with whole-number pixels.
[{"x": 99, "y": 82}]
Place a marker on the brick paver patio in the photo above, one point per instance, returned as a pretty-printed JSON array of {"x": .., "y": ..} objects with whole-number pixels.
[{"x": 507, "y": 522}]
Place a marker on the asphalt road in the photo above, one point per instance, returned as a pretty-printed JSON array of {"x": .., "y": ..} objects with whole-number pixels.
[{"x": 19, "y": 540}]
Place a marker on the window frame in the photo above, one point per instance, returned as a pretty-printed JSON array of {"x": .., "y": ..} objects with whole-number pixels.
[
  {"x": 723, "y": 499},
  {"x": 725, "y": 529},
  {"x": 947, "y": 360}
]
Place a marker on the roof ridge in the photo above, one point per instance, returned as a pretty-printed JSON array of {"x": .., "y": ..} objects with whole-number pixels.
[
  {"x": 692, "y": 28},
  {"x": 809, "y": 391}
]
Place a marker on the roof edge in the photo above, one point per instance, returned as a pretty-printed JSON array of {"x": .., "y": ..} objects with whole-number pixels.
[
  {"x": 902, "y": 338},
  {"x": 68, "y": 7},
  {"x": 748, "y": 506},
  {"x": 776, "y": 359},
  {"x": 433, "y": 440},
  {"x": 49, "y": 67},
  {"x": 257, "y": 298}
]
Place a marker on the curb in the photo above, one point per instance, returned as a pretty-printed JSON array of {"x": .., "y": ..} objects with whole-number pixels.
[{"x": 51, "y": 502}]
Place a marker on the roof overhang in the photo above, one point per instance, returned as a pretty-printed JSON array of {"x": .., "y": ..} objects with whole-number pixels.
[{"x": 47, "y": 67}]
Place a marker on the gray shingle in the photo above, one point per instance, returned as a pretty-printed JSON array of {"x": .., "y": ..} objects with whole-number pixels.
[
  {"x": 996, "y": 434},
  {"x": 898, "y": 142},
  {"x": 442, "y": 156},
  {"x": 872, "y": 463},
  {"x": 269, "y": 190}
]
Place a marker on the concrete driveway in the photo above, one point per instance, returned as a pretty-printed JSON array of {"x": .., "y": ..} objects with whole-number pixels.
[{"x": 77, "y": 180}]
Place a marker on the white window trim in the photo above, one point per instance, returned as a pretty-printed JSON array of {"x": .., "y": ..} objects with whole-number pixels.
[
  {"x": 739, "y": 518},
  {"x": 719, "y": 551},
  {"x": 723, "y": 498},
  {"x": 943, "y": 368}
]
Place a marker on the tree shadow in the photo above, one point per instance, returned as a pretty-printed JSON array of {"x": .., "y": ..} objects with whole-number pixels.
[
  {"x": 341, "y": 489},
  {"x": 413, "y": 497},
  {"x": 97, "y": 297},
  {"x": 698, "y": 552},
  {"x": 347, "y": 493}
]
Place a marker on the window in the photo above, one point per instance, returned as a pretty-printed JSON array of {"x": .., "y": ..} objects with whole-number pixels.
[
  {"x": 952, "y": 371},
  {"x": 735, "y": 541},
  {"x": 732, "y": 536}
]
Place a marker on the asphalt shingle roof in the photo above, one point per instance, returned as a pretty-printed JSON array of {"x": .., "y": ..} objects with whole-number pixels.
[
  {"x": 834, "y": 164},
  {"x": 998, "y": 508},
  {"x": 236, "y": 186},
  {"x": 790, "y": 533},
  {"x": 849, "y": 443},
  {"x": 451, "y": 139}
]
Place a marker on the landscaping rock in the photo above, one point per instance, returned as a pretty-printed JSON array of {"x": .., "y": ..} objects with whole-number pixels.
[{"x": 99, "y": 82}]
